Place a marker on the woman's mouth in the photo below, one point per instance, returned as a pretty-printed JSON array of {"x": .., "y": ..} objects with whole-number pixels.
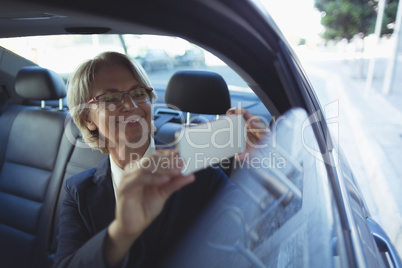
[{"x": 130, "y": 120}]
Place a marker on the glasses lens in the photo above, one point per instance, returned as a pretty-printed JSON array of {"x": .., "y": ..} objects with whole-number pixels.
[
  {"x": 115, "y": 99},
  {"x": 111, "y": 98},
  {"x": 139, "y": 95}
]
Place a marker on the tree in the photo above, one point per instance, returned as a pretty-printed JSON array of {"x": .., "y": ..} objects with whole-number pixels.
[
  {"x": 389, "y": 17},
  {"x": 346, "y": 18}
]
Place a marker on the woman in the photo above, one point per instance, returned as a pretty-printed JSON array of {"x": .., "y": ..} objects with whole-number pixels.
[{"x": 124, "y": 212}]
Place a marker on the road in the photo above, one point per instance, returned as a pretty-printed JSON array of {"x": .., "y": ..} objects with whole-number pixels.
[{"x": 368, "y": 127}]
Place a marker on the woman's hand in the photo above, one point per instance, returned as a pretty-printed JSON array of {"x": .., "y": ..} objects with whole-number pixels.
[
  {"x": 256, "y": 130},
  {"x": 145, "y": 186}
]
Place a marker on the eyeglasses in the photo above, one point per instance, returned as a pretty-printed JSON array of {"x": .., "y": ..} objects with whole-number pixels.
[{"x": 138, "y": 95}]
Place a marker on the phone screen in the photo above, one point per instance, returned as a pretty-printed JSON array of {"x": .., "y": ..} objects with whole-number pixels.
[{"x": 211, "y": 142}]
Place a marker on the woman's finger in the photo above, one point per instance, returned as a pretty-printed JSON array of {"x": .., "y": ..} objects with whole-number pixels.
[
  {"x": 256, "y": 130},
  {"x": 156, "y": 169},
  {"x": 236, "y": 110}
]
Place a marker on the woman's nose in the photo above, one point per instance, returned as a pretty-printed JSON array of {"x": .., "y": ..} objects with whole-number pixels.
[{"x": 128, "y": 102}]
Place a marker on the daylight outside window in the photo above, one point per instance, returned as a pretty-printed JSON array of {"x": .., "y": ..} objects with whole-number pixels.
[{"x": 160, "y": 56}]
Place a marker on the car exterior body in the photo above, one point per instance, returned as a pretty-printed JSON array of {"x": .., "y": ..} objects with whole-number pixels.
[
  {"x": 155, "y": 59},
  {"x": 324, "y": 224},
  {"x": 191, "y": 57}
]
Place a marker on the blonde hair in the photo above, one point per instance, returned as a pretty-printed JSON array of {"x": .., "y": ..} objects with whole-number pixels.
[{"x": 79, "y": 91}]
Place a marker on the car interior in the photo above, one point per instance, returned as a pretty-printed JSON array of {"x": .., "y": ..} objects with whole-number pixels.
[
  {"x": 41, "y": 147},
  {"x": 31, "y": 189},
  {"x": 290, "y": 212}
]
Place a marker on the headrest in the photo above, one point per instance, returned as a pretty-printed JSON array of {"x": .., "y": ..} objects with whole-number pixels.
[
  {"x": 37, "y": 83},
  {"x": 198, "y": 92}
]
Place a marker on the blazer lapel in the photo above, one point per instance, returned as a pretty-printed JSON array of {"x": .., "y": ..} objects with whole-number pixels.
[{"x": 101, "y": 201}]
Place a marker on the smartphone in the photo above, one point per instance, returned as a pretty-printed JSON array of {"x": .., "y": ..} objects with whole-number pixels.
[{"x": 209, "y": 143}]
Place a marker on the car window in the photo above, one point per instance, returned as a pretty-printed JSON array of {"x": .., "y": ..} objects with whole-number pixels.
[
  {"x": 283, "y": 213},
  {"x": 63, "y": 53},
  {"x": 160, "y": 56},
  {"x": 283, "y": 199}
]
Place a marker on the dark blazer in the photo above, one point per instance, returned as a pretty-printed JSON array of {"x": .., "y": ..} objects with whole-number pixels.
[{"x": 89, "y": 207}]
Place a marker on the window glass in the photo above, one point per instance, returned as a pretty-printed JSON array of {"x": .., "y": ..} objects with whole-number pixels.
[
  {"x": 160, "y": 56},
  {"x": 282, "y": 213},
  {"x": 62, "y": 53}
]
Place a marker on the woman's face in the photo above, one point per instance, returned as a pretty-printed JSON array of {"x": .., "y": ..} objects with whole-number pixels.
[{"x": 128, "y": 124}]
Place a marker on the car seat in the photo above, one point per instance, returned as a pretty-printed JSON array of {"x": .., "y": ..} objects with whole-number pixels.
[
  {"x": 192, "y": 93},
  {"x": 32, "y": 168}
]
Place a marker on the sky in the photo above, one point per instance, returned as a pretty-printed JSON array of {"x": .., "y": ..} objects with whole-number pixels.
[{"x": 296, "y": 18}]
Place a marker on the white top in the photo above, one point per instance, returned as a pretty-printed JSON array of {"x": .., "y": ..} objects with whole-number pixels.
[{"x": 117, "y": 171}]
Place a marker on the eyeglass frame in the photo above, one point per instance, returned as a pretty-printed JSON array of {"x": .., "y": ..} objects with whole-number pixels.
[{"x": 96, "y": 98}]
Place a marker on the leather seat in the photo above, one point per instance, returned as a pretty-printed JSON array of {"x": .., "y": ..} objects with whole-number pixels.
[
  {"x": 31, "y": 170},
  {"x": 194, "y": 92},
  {"x": 199, "y": 92},
  {"x": 80, "y": 157}
]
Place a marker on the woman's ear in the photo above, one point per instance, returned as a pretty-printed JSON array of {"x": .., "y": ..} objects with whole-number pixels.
[{"x": 89, "y": 123}]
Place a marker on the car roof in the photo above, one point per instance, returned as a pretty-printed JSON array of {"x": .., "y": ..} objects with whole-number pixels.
[
  {"x": 241, "y": 47},
  {"x": 30, "y": 18}
]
